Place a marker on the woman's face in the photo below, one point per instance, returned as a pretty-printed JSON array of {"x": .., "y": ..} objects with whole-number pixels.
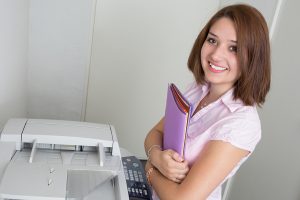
[{"x": 219, "y": 55}]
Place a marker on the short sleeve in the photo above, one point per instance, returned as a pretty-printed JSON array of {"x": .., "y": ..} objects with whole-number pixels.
[{"x": 242, "y": 130}]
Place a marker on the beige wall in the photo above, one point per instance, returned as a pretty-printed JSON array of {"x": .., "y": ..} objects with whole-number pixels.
[
  {"x": 60, "y": 33},
  {"x": 273, "y": 172},
  {"x": 13, "y": 59},
  {"x": 138, "y": 47},
  {"x": 134, "y": 53},
  {"x": 141, "y": 46}
]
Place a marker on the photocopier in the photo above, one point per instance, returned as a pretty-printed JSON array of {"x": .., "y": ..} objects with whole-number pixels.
[{"x": 66, "y": 160}]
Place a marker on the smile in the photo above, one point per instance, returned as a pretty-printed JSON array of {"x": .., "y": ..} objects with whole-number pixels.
[{"x": 215, "y": 68}]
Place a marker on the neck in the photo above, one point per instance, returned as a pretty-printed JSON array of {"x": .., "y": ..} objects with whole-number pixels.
[{"x": 215, "y": 92}]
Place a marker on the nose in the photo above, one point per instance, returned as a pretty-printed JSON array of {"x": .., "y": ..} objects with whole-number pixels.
[{"x": 218, "y": 53}]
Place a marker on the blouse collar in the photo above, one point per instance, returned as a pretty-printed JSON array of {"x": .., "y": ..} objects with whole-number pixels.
[{"x": 227, "y": 98}]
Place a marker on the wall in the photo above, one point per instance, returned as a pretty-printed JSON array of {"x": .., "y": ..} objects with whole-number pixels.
[
  {"x": 138, "y": 47},
  {"x": 13, "y": 58},
  {"x": 60, "y": 37},
  {"x": 133, "y": 54},
  {"x": 273, "y": 171},
  {"x": 267, "y": 8}
]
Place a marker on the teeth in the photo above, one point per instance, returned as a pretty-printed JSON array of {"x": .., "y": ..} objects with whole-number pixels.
[{"x": 217, "y": 67}]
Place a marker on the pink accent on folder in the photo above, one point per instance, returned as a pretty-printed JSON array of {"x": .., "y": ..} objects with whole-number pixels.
[{"x": 177, "y": 115}]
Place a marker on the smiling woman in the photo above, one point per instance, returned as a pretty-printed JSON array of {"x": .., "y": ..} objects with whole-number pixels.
[
  {"x": 218, "y": 55},
  {"x": 250, "y": 43},
  {"x": 230, "y": 61}
]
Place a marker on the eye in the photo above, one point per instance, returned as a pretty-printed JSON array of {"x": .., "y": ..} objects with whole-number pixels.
[
  {"x": 211, "y": 40},
  {"x": 233, "y": 49}
]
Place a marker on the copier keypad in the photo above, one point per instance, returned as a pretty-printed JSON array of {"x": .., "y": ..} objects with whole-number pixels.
[{"x": 137, "y": 185}]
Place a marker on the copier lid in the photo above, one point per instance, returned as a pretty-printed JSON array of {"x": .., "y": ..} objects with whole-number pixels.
[{"x": 67, "y": 132}]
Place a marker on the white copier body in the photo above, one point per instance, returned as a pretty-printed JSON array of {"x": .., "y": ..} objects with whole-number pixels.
[{"x": 60, "y": 160}]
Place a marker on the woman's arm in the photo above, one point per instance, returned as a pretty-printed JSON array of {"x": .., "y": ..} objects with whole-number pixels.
[
  {"x": 216, "y": 161},
  {"x": 154, "y": 137},
  {"x": 168, "y": 162}
]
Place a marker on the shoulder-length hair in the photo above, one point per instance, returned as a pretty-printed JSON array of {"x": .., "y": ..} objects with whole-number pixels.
[{"x": 253, "y": 53}]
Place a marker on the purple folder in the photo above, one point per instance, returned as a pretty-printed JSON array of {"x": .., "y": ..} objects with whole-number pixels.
[{"x": 177, "y": 115}]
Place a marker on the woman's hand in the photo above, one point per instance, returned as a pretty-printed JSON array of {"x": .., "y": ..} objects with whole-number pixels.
[{"x": 170, "y": 164}]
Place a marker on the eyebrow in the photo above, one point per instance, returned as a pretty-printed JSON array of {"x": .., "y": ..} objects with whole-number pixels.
[{"x": 218, "y": 37}]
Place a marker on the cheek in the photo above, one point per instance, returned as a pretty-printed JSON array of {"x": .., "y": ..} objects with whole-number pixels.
[
  {"x": 205, "y": 48},
  {"x": 234, "y": 63},
  {"x": 203, "y": 53},
  {"x": 238, "y": 71}
]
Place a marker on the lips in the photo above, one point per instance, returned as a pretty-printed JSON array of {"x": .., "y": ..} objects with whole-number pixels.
[{"x": 216, "y": 69}]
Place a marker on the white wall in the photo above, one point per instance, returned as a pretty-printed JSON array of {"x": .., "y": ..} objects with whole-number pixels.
[
  {"x": 273, "y": 171},
  {"x": 60, "y": 37},
  {"x": 133, "y": 53},
  {"x": 140, "y": 46},
  {"x": 267, "y": 8},
  {"x": 13, "y": 58}
]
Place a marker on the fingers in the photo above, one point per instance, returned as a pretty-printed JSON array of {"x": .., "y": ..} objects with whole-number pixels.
[
  {"x": 172, "y": 165},
  {"x": 176, "y": 162},
  {"x": 178, "y": 179},
  {"x": 178, "y": 173},
  {"x": 177, "y": 157},
  {"x": 181, "y": 176},
  {"x": 180, "y": 164}
]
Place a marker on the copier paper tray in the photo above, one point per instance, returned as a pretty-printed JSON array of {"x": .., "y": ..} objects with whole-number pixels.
[{"x": 59, "y": 160}]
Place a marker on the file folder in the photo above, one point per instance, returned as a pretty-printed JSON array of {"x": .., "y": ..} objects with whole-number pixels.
[{"x": 177, "y": 115}]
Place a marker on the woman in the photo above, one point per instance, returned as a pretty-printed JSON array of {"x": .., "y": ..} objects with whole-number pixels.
[{"x": 230, "y": 61}]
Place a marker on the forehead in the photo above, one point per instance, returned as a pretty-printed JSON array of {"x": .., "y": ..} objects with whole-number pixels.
[{"x": 224, "y": 28}]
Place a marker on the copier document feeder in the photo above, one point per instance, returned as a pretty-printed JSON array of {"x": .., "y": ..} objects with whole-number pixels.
[{"x": 60, "y": 160}]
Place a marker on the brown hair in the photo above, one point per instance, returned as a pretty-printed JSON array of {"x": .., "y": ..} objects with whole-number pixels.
[{"x": 253, "y": 53}]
